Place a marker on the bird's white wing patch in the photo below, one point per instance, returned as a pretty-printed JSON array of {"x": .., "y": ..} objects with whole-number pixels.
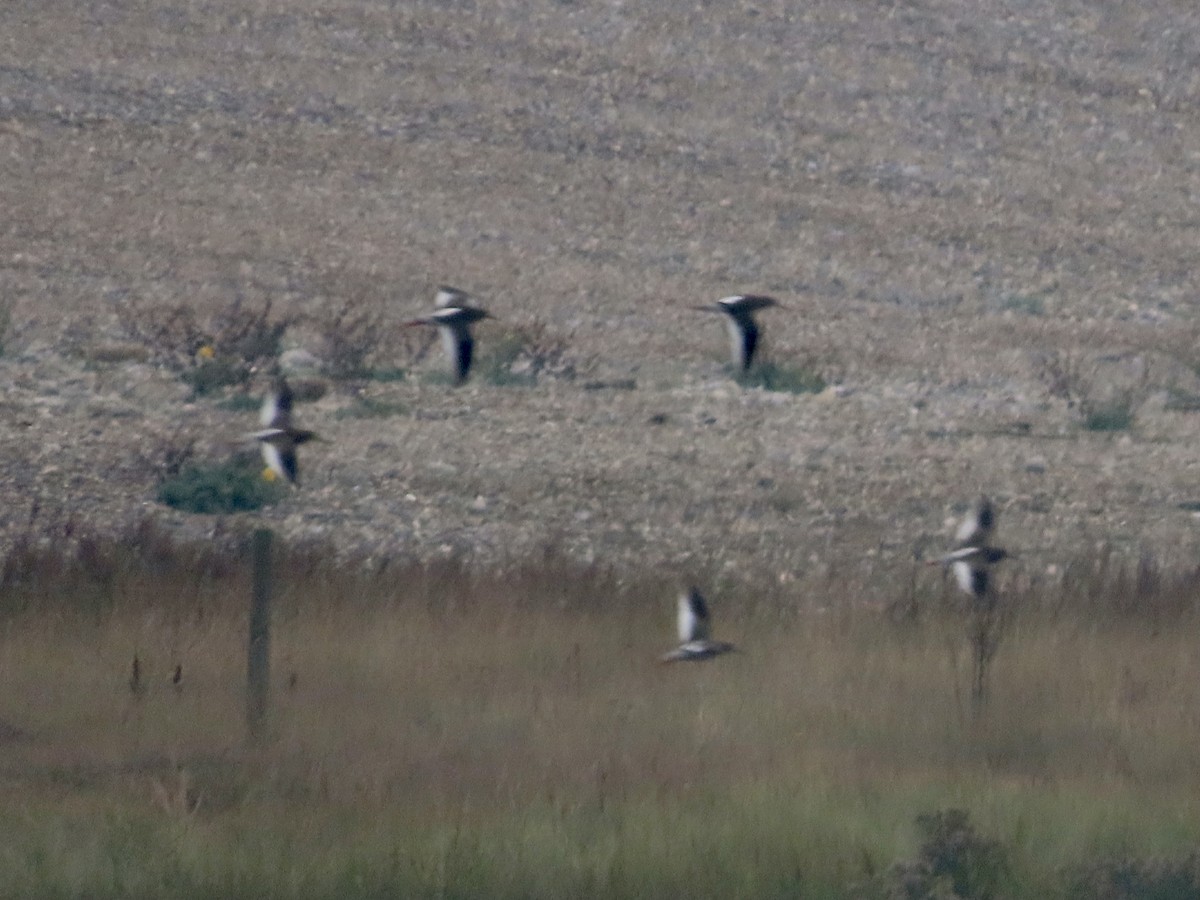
[
  {"x": 737, "y": 343},
  {"x": 686, "y": 619},
  {"x": 964, "y": 574},
  {"x": 270, "y": 409},
  {"x": 273, "y": 459},
  {"x": 450, "y": 341},
  {"x": 972, "y": 529}
]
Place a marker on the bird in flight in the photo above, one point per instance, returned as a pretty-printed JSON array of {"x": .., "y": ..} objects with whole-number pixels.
[
  {"x": 278, "y": 438},
  {"x": 453, "y": 318},
  {"x": 693, "y": 623},
  {"x": 973, "y": 555},
  {"x": 743, "y": 330}
]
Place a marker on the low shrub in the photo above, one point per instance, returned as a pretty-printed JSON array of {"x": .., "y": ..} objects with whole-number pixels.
[{"x": 235, "y": 486}]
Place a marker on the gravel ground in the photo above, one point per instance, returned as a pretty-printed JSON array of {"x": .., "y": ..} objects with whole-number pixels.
[{"x": 979, "y": 217}]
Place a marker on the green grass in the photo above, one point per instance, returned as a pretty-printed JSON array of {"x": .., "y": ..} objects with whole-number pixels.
[
  {"x": 434, "y": 732},
  {"x": 1116, "y": 417},
  {"x": 784, "y": 379},
  {"x": 1025, "y": 304}
]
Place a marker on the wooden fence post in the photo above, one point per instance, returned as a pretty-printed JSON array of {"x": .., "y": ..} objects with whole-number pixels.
[{"x": 258, "y": 661}]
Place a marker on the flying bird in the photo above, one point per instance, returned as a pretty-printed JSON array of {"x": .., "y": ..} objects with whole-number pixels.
[
  {"x": 743, "y": 330},
  {"x": 278, "y": 439},
  {"x": 973, "y": 556},
  {"x": 693, "y": 624},
  {"x": 453, "y": 318}
]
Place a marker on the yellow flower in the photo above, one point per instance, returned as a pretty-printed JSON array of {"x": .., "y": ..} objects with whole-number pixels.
[
  {"x": 206, "y": 352},
  {"x": 269, "y": 474}
]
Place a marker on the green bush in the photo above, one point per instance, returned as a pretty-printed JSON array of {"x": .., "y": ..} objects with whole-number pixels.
[{"x": 236, "y": 486}]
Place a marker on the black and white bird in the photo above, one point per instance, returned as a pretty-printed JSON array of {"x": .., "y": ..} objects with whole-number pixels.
[
  {"x": 973, "y": 556},
  {"x": 453, "y": 319},
  {"x": 693, "y": 624},
  {"x": 279, "y": 439},
  {"x": 743, "y": 330}
]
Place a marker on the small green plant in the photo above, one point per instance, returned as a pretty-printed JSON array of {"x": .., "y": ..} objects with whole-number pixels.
[
  {"x": 1026, "y": 304},
  {"x": 1115, "y": 416},
  {"x": 773, "y": 377},
  {"x": 235, "y": 486}
]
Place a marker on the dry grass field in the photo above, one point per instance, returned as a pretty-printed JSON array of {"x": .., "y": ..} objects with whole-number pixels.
[
  {"x": 431, "y": 733},
  {"x": 980, "y": 219}
]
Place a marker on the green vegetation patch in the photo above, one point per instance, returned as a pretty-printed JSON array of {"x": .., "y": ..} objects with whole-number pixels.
[
  {"x": 783, "y": 379},
  {"x": 1118, "y": 417},
  {"x": 229, "y": 487},
  {"x": 1025, "y": 304}
]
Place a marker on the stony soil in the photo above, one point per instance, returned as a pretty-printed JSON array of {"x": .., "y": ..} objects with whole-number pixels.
[{"x": 981, "y": 219}]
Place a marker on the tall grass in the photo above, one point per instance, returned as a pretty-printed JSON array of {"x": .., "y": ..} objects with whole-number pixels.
[{"x": 435, "y": 732}]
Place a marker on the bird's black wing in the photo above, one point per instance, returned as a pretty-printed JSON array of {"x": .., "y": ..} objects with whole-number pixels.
[
  {"x": 749, "y": 341},
  {"x": 287, "y": 458},
  {"x": 283, "y": 397},
  {"x": 466, "y": 349}
]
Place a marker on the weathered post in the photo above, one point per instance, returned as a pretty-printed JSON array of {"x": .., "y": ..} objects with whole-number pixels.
[{"x": 258, "y": 664}]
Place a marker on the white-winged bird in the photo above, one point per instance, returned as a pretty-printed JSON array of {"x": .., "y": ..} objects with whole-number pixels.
[
  {"x": 453, "y": 319},
  {"x": 972, "y": 555},
  {"x": 279, "y": 439},
  {"x": 743, "y": 330},
  {"x": 693, "y": 624}
]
